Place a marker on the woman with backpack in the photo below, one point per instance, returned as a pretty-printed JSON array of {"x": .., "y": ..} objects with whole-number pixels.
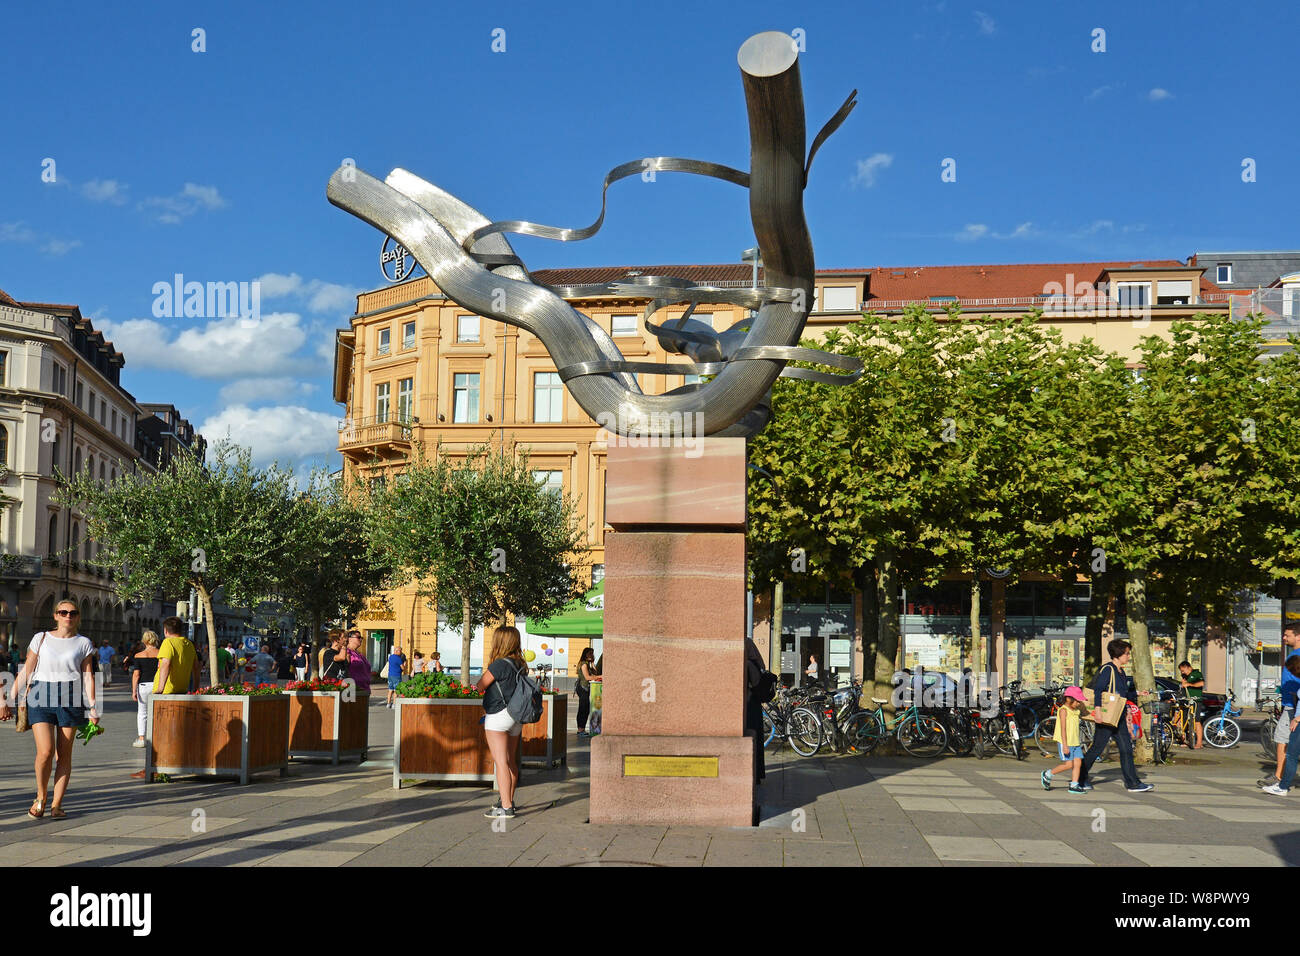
[
  {"x": 586, "y": 671},
  {"x": 497, "y": 685}
]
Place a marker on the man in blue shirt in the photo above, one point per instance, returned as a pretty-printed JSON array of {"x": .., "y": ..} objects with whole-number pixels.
[
  {"x": 106, "y": 662},
  {"x": 1112, "y": 672},
  {"x": 1290, "y": 685}
]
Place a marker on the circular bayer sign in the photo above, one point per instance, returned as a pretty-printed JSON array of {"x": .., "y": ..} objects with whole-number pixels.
[{"x": 395, "y": 261}]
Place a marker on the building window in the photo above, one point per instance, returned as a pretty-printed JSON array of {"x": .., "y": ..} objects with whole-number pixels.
[
  {"x": 622, "y": 325},
  {"x": 53, "y": 545},
  {"x": 113, "y": 420},
  {"x": 405, "y": 399},
  {"x": 1174, "y": 292},
  {"x": 101, "y": 471},
  {"x": 597, "y": 574},
  {"x": 103, "y": 412},
  {"x": 1223, "y": 273},
  {"x": 548, "y": 397},
  {"x": 384, "y": 335},
  {"x": 91, "y": 462},
  {"x": 467, "y": 328},
  {"x": 76, "y": 542},
  {"x": 79, "y": 395},
  {"x": 4, "y": 445},
  {"x": 4, "y": 368},
  {"x": 552, "y": 482},
  {"x": 839, "y": 298},
  {"x": 76, "y": 467},
  {"x": 408, "y": 335},
  {"x": 381, "y": 402},
  {"x": 1133, "y": 294},
  {"x": 90, "y": 409},
  {"x": 56, "y": 462},
  {"x": 464, "y": 399}
]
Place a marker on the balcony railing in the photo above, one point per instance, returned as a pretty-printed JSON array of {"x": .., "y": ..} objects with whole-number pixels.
[
  {"x": 375, "y": 430},
  {"x": 24, "y": 566}
]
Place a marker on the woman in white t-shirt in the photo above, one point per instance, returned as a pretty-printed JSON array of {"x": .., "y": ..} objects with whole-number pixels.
[
  {"x": 812, "y": 667},
  {"x": 58, "y": 676}
]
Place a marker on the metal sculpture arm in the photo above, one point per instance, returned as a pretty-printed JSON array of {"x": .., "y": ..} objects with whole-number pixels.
[{"x": 472, "y": 262}]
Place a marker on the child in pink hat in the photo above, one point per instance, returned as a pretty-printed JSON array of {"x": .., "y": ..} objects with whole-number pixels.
[{"x": 1073, "y": 709}]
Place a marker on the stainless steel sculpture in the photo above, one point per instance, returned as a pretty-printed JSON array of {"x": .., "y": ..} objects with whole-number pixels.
[{"x": 471, "y": 261}]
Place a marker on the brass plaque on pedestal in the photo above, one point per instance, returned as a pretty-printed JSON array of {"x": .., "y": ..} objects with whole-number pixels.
[{"x": 645, "y": 766}]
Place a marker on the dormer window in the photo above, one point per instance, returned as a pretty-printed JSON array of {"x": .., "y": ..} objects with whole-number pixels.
[{"x": 1223, "y": 273}]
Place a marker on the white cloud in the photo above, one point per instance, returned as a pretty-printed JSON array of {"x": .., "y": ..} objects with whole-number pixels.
[
  {"x": 57, "y": 247},
  {"x": 320, "y": 296},
  {"x": 1022, "y": 230},
  {"x": 251, "y": 391},
  {"x": 985, "y": 24},
  {"x": 21, "y": 232},
  {"x": 16, "y": 232},
  {"x": 1096, "y": 226},
  {"x": 285, "y": 433},
  {"x": 1100, "y": 92},
  {"x": 172, "y": 209},
  {"x": 973, "y": 230},
  {"x": 105, "y": 190},
  {"x": 1158, "y": 94},
  {"x": 223, "y": 348},
  {"x": 866, "y": 174},
  {"x": 978, "y": 230}
]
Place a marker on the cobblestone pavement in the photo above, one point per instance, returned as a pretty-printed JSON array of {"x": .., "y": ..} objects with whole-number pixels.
[{"x": 1206, "y": 811}]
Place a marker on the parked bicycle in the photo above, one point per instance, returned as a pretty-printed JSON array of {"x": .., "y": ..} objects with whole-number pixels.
[
  {"x": 1162, "y": 740},
  {"x": 781, "y": 724},
  {"x": 1272, "y": 705},
  {"x": 921, "y": 735},
  {"x": 1221, "y": 730}
]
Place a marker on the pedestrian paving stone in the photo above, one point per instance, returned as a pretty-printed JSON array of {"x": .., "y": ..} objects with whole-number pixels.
[
  {"x": 1280, "y": 814},
  {"x": 1136, "y": 812},
  {"x": 1042, "y": 851},
  {"x": 312, "y": 856},
  {"x": 1183, "y": 854},
  {"x": 981, "y": 849}
]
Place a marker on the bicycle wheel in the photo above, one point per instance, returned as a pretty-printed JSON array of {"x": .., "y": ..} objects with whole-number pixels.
[
  {"x": 862, "y": 732},
  {"x": 1266, "y": 741},
  {"x": 1001, "y": 736},
  {"x": 922, "y": 736},
  {"x": 1043, "y": 736},
  {"x": 1163, "y": 743},
  {"x": 769, "y": 730},
  {"x": 804, "y": 731},
  {"x": 960, "y": 740},
  {"x": 1222, "y": 732}
]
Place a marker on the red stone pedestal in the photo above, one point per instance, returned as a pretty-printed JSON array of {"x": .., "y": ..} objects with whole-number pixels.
[{"x": 673, "y": 749}]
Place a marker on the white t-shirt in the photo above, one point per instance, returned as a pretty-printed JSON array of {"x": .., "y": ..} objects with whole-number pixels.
[
  {"x": 59, "y": 658},
  {"x": 812, "y": 669}
]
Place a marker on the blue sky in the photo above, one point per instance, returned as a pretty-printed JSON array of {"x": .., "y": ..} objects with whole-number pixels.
[{"x": 214, "y": 164}]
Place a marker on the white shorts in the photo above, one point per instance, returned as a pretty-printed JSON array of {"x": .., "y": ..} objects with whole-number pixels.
[
  {"x": 503, "y": 722},
  {"x": 1282, "y": 732}
]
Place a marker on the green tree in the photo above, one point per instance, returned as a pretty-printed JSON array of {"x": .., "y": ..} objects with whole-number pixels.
[
  {"x": 191, "y": 526},
  {"x": 332, "y": 565},
  {"x": 484, "y": 538}
]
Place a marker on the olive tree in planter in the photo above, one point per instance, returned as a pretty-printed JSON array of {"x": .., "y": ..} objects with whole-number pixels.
[
  {"x": 482, "y": 535},
  {"x": 191, "y": 525}
]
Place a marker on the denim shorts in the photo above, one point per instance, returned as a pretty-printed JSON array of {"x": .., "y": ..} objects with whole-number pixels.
[
  {"x": 44, "y": 700},
  {"x": 1070, "y": 753}
]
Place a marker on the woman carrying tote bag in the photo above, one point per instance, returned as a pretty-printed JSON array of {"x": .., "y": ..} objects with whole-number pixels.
[{"x": 57, "y": 661}]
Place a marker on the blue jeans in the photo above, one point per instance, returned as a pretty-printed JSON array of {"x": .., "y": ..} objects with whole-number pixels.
[
  {"x": 1292, "y": 758},
  {"x": 1123, "y": 742}
]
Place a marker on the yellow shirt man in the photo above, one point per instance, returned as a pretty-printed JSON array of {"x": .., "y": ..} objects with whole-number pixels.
[{"x": 182, "y": 656}]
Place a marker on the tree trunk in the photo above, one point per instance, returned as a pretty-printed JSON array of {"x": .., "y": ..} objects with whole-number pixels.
[
  {"x": 886, "y": 621},
  {"x": 211, "y": 623},
  {"x": 467, "y": 637},
  {"x": 1180, "y": 641},
  {"x": 870, "y": 635},
  {"x": 311, "y": 644},
  {"x": 978, "y": 657},
  {"x": 1097, "y": 605},
  {"x": 778, "y": 614},
  {"x": 1140, "y": 668}
]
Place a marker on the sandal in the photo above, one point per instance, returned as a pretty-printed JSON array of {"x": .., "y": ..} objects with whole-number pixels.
[
  {"x": 57, "y": 813},
  {"x": 37, "y": 809}
]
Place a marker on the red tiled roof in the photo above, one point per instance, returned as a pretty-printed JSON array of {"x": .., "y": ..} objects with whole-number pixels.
[
  {"x": 6, "y": 299},
  {"x": 739, "y": 271},
  {"x": 1003, "y": 281}
]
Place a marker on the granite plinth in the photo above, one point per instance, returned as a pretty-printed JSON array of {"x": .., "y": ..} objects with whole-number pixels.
[
  {"x": 726, "y": 800},
  {"x": 699, "y": 482}
]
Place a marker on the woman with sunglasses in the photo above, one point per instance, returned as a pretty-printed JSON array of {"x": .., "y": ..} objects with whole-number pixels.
[{"x": 56, "y": 706}]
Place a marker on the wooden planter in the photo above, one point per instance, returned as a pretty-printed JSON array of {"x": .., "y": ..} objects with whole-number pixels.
[
  {"x": 440, "y": 740},
  {"x": 322, "y": 724},
  {"x": 219, "y": 735},
  {"x": 547, "y": 741}
]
